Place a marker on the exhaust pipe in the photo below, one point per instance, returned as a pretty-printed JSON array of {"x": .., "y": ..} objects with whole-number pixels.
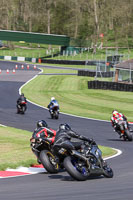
[{"x": 79, "y": 155}]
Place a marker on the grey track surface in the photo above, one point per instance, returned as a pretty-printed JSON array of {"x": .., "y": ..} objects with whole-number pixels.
[{"x": 61, "y": 186}]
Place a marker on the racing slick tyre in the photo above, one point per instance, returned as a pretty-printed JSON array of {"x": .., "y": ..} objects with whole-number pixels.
[
  {"x": 48, "y": 161},
  {"x": 128, "y": 135},
  {"x": 56, "y": 115},
  {"x": 71, "y": 167},
  {"x": 108, "y": 172}
]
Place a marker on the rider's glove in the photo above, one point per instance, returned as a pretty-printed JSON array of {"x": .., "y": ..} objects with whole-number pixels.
[{"x": 81, "y": 137}]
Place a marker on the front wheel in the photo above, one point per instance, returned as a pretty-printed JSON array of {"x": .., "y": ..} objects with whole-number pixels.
[
  {"x": 108, "y": 172},
  {"x": 128, "y": 135},
  {"x": 56, "y": 115},
  {"x": 23, "y": 109},
  {"x": 76, "y": 170},
  {"x": 48, "y": 161}
]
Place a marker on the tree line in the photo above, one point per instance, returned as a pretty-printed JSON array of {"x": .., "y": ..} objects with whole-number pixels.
[{"x": 79, "y": 19}]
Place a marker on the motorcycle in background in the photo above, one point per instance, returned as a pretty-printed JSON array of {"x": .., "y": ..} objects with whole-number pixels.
[
  {"x": 21, "y": 107},
  {"x": 122, "y": 126},
  {"x": 54, "y": 112}
]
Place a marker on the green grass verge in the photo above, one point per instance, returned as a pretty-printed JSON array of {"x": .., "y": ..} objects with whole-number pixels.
[
  {"x": 15, "y": 148},
  {"x": 75, "y": 98},
  {"x": 56, "y": 71}
]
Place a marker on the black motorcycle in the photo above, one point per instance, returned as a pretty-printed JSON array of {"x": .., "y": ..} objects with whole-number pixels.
[
  {"x": 21, "y": 107},
  {"x": 54, "y": 112},
  {"x": 85, "y": 162},
  {"x": 43, "y": 150}
]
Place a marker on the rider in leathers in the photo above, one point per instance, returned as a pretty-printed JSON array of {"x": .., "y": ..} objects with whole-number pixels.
[
  {"x": 63, "y": 138},
  {"x": 52, "y": 104},
  {"x": 116, "y": 116},
  {"x": 19, "y": 100},
  {"x": 41, "y": 132}
]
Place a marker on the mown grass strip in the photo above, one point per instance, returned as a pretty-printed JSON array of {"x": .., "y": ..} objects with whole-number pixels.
[
  {"x": 75, "y": 98},
  {"x": 15, "y": 148}
]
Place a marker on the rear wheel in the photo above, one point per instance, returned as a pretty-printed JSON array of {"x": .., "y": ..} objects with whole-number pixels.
[
  {"x": 76, "y": 170},
  {"x": 48, "y": 161}
]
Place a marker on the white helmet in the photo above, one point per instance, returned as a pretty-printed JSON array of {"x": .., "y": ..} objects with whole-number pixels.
[
  {"x": 115, "y": 113},
  {"x": 52, "y": 98}
]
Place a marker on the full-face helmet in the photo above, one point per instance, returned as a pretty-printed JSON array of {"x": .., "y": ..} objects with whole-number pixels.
[
  {"x": 65, "y": 127},
  {"x": 41, "y": 123}
]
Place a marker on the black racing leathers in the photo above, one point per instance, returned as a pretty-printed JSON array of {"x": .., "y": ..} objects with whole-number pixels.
[
  {"x": 63, "y": 137},
  {"x": 20, "y": 99}
]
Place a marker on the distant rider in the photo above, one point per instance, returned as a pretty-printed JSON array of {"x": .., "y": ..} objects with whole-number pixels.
[
  {"x": 20, "y": 100},
  {"x": 52, "y": 104},
  {"x": 116, "y": 117},
  {"x": 42, "y": 131}
]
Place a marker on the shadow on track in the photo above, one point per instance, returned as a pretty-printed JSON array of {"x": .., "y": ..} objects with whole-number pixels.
[
  {"x": 69, "y": 178},
  {"x": 118, "y": 140}
]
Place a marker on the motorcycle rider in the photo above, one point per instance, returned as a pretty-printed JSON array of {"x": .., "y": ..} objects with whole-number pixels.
[
  {"x": 63, "y": 138},
  {"x": 116, "y": 116},
  {"x": 19, "y": 101},
  {"x": 52, "y": 104},
  {"x": 42, "y": 131}
]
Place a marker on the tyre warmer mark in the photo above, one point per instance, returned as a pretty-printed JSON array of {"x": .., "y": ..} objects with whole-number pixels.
[{"x": 22, "y": 171}]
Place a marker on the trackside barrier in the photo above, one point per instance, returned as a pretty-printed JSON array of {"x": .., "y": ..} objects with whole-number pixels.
[
  {"x": 72, "y": 62},
  {"x": 94, "y": 73},
  {"x": 105, "y": 85}
]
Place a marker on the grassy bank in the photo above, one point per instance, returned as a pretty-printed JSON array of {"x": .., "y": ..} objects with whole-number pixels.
[
  {"x": 15, "y": 148},
  {"x": 74, "y": 97}
]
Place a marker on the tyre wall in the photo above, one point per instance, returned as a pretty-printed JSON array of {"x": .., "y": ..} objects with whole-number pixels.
[
  {"x": 105, "y": 85},
  {"x": 93, "y": 73}
]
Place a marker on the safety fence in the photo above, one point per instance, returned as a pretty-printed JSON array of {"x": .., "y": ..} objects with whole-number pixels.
[{"x": 106, "y": 85}]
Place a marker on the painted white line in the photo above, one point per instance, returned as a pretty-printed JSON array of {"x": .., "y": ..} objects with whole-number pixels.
[
  {"x": 31, "y": 170},
  {"x": 3, "y": 125},
  {"x": 119, "y": 152}
]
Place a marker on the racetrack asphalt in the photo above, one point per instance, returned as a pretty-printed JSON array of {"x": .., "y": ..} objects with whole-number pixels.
[{"x": 61, "y": 186}]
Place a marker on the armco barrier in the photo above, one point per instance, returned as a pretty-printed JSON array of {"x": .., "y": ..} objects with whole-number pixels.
[
  {"x": 93, "y": 73},
  {"x": 105, "y": 85}
]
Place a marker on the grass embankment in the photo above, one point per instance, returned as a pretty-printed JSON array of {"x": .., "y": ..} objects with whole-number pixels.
[
  {"x": 15, "y": 148},
  {"x": 74, "y": 97}
]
